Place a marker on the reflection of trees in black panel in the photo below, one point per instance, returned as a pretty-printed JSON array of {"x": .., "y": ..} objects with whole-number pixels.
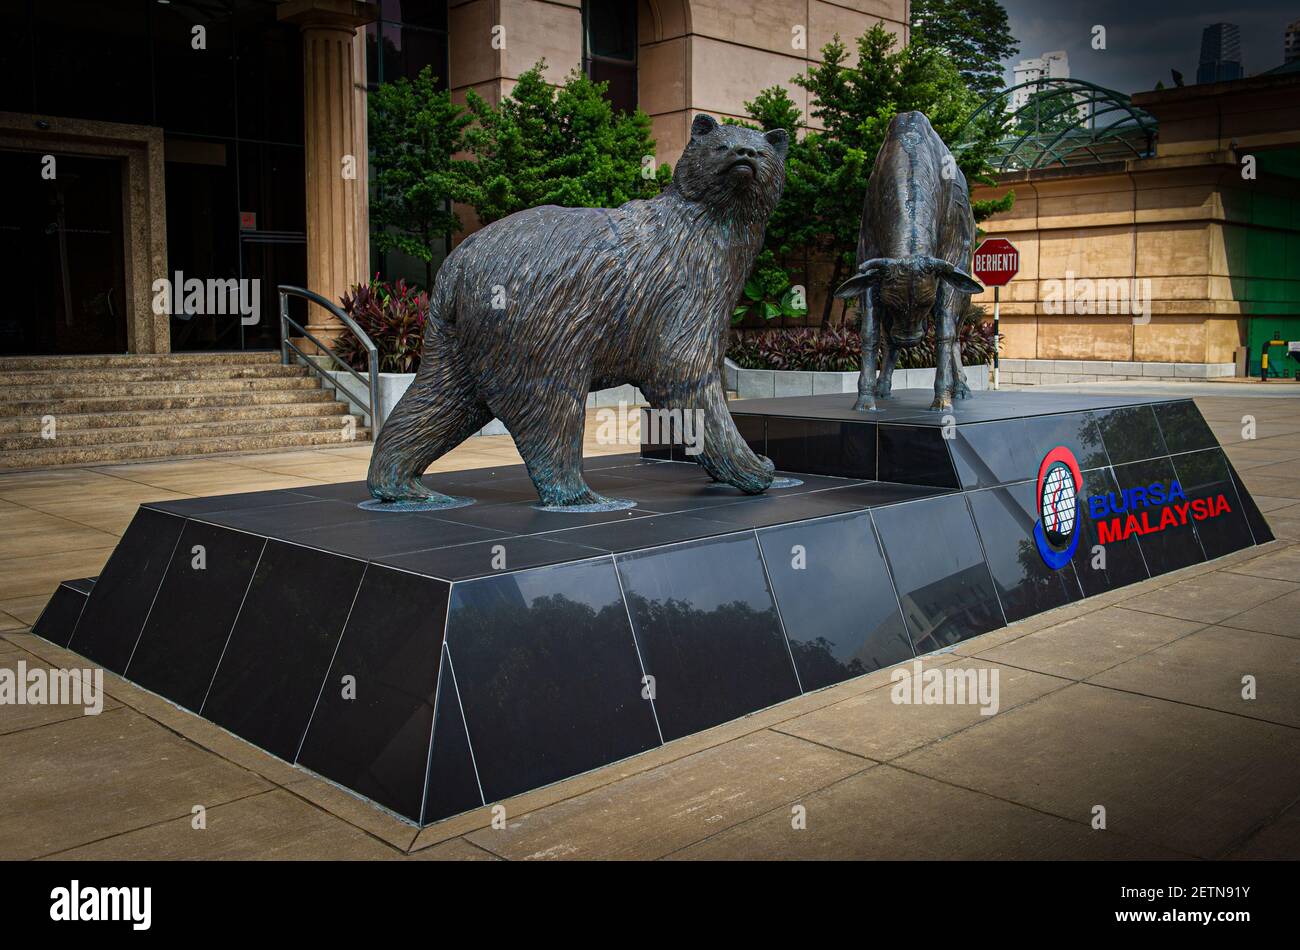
[
  {"x": 1040, "y": 587},
  {"x": 818, "y": 666},
  {"x": 563, "y": 629},
  {"x": 1183, "y": 427}
]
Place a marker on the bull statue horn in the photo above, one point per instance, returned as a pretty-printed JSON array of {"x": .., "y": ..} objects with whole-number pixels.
[
  {"x": 868, "y": 273},
  {"x": 954, "y": 276}
]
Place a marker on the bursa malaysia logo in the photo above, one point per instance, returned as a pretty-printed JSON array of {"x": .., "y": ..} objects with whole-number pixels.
[
  {"x": 1056, "y": 533},
  {"x": 1118, "y": 515}
]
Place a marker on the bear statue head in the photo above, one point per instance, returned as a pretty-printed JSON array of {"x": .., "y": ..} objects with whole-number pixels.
[{"x": 726, "y": 165}]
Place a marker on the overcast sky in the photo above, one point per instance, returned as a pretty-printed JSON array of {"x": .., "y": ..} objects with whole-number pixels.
[{"x": 1146, "y": 38}]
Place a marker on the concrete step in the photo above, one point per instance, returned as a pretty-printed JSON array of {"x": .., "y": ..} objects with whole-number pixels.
[
  {"x": 65, "y": 437},
  {"x": 72, "y": 389},
  {"x": 167, "y": 402},
  {"x": 138, "y": 451},
  {"x": 135, "y": 361},
  {"x": 66, "y": 421},
  {"x": 146, "y": 374}
]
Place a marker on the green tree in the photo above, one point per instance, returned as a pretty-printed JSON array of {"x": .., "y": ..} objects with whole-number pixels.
[
  {"x": 974, "y": 34},
  {"x": 827, "y": 174},
  {"x": 560, "y": 145},
  {"x": 415, "y": 130}
]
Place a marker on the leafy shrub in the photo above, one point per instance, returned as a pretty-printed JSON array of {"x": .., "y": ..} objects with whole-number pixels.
[
  {"x": 839, "y": 349},
  {"x": 393, "y": 315}
]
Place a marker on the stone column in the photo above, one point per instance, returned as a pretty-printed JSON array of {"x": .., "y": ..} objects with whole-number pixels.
[{"x": 334, "y": 130}]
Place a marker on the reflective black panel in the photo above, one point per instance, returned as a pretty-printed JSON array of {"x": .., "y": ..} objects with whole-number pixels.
[
  {"x": 752, "y": 430},
  {"x": 837, "y": 605},
  {"x": 279, "y": 520},
  {"x": 1217, "y": 513},
  {"x": 990, "y": 453},
  {"x": 60, "y": 616},
  {"x": 1258, "y": 526},
  {"x": 1011, "y": 450},
  {"x": 119, "y": 602},
  {"x": 452, "y": 784},
  {"x": 238, "y": 502},
  {"x": 822, "y": 446},
  {"x": 644, "y": 532},
  {"x": 1183, "y": 427},
  {"x": 1165, "y": 548},
  {"x": 548, "y": 673},
  {"x": 708, "y": 631},
  {"x": 1131, "y": 434},
  {"x": 1080, "y": 432},
  {"x": 1120, "y": 563},
  {"x": 939, "y": 571},
  {"x": 523, "y": 518},
  {"x": 280, "y": 649},
  {"x": 914, "y": 455},
  {"x": 194, "y": 612},
  {"x": 1005, "y": 518},
  {"x": 464, "y": 561},
  {"x": 787, "y": 443},
  {"x": 656, "y": 442},
  {"x": 395, "y": 534},
  {"x": 376, "y": 740}
]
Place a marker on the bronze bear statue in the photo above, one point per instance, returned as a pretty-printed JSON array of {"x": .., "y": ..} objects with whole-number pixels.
[{"x": 534, "y": 311}]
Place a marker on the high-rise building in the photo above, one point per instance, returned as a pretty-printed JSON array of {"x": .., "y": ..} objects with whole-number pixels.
[
  {"x": 1291, "y": 42},
  {"x": 1053, "y": 65},
  {"x": 1220, "y": 53}
]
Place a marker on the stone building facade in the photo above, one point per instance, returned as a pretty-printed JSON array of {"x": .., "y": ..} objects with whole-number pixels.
[
  {"x": 211, "y": 138},
  {"x": 1209, "y": 228}
]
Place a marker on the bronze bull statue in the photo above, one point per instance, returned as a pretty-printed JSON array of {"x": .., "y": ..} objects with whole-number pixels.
[{"x": 914, "y": 253}]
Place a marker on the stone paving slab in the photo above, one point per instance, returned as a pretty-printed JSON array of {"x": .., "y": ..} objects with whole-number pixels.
[
  {"x": 1185, "y": 778},
  {"x": 886, "y": 813}
]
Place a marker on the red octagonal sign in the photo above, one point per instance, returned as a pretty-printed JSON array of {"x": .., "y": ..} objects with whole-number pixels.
[{"x": 996, "y": 262}]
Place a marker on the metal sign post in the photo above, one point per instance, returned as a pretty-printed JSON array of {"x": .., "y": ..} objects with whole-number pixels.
[
  {"x": 996, "y": 262},
  {"x": 997, "y": 307}
]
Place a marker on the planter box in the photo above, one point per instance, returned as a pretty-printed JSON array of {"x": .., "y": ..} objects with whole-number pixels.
[
  {"x": 767, "y": 383},
  {"x": 393, "y": 385}
]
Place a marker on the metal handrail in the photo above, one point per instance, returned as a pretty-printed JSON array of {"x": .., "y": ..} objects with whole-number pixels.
[{"x": 372, "y": 351}]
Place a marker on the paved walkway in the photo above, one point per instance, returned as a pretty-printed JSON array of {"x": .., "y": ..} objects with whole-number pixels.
[{"x": 1129, "y": 702}]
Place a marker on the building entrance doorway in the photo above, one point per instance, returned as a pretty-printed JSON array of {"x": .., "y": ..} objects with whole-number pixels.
[{"x": 61, "y": 239}]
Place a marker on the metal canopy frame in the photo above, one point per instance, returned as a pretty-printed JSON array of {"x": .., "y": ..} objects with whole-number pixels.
[{"x": 1082, "y": 143}]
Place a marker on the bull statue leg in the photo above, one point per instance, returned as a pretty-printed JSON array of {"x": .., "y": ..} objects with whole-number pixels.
[
  {"x": 945, "y": 342},
  {"x": 870, "y": 341},
  {"x": 885, "y": 384},
  {"x": 961, "y": 390}
]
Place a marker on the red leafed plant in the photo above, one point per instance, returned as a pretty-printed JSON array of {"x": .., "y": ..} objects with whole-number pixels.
[
  {"x": 392, "y": 314},
  {"x": 839, "y": 349}
]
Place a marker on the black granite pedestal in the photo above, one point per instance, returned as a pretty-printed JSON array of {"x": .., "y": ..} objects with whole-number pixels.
[{"x": 434, "y": 662}]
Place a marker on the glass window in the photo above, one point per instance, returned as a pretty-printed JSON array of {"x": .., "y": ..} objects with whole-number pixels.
[
  {"x": 610, "y": 49},
  {"x": 92, "y": 60},
  {"x": 193, "y": 68}
]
